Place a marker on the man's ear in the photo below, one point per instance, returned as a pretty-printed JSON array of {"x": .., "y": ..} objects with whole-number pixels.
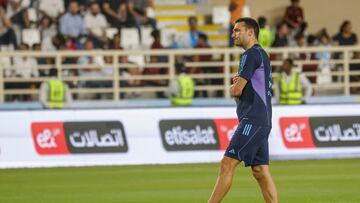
[{"x": 251, "y": 32}]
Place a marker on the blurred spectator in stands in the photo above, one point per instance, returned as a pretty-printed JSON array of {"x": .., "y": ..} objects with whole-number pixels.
[
  {"x": 195, "y": 1},
  {"x": 40, "y": 60},
  {"x": 138, "y": 12},
  {"x": 17, "y": 12},
  {"x": 202, "y": 43},
  {"x": 54, "y": 93},
  {"x": 308, "y": 57},
  {"x": 266, "y": 36},
  {"x": 324, "y": 56},
  {"x": 181, "y": 90},
  {"x": 90, "y": 60},
  {"x": 52, "y": 43},
  {"x": 324, "y": 68},
  {"x": 26, "y": 66},
  {"x": 281, "y": 38},
  {"x": 72, "y": 23},
  {"x": 236, "y": 12},
  {"x": 156, "y": 70},
  {"x": 95, "y": 70},
  {"x": 125, "y": 71},
  {"x": 345, "y": 35},
  {"x": 190, "y": 39},
  {"x": 47, "y": 28},
  {"x": 292, "y": 87},
  {"x": 3, "y": 4},
  {"x": 96, "y": 24},
  {"x": 116, "y": 12},
  {"x": 83, "y": 4},
  {"x": 52, "y": 9},
  {"x": 7, "y": 33},
  {"x": 115, "y": 43},
  {"x": 128, "y": 72},
  {"x": 294, "y": 15},
  {"x": 356, "y": 77},
  {"x": 300, "y": 42}
]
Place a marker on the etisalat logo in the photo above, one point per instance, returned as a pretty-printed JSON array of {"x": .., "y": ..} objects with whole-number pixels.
[
  {"x": 182, "y": 135},
  {"x": 78, "y": 137},
  {"x": 311, "y": 132},
  {"x": 336, "y": 131}
]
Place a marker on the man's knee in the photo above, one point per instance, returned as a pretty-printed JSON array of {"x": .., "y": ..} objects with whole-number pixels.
[
  {"x": 259, "y": 172},
  {"x": 228, "y": 164}
]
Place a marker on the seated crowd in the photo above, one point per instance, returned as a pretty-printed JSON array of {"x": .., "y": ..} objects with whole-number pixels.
[{"x": 99, "y": 24}]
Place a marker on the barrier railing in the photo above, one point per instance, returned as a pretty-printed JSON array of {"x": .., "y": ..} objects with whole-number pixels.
[{"x": 118, "y": 72}]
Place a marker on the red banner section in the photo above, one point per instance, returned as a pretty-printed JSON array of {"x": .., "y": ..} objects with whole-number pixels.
[
  {"x": 296, "y": 132},
  {"x": 49, "y": 138}
]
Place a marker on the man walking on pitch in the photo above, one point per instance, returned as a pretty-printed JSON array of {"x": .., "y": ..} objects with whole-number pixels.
[{"x": 252, "y": 92}]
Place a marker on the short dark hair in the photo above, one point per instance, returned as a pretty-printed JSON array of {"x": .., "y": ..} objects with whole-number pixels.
[
  {"x": 299, "y": 35},
  {"x": 53, "y": 72},
  {"x": 191, "y": 18},
  {"x": 311, "y": 39},
  {"x": 343, "y": 25},
  {"x": 262, "y": 21},
  {"x": 290, "y": 61},
  {"x": 203, "y": 36},
  {"x": 250, "y": 23},
  {"x": 155, "y": 33}
]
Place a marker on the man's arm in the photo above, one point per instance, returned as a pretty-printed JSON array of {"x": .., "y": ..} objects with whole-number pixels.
[
  {"x": 135, "y": 13},
  {"x": 237, "y": 88},
  {"x": 43, "y": 94},
  {"x": 108, "y": 10},
  {"x": 305, "y": 83},
  {"x": 68, "y": 97}
]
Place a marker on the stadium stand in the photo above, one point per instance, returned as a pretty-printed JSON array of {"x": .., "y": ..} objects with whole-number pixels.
[{"x": 333, "y": 69}]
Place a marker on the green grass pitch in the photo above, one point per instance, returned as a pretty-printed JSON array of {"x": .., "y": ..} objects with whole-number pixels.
[{"x": 311, "y": 181}]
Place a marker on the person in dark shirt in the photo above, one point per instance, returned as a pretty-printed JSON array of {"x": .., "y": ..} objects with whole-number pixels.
[
  {"x": 345, "y": 35},
  {"x": 156, "y": 35},
  {"x": 294, "y": 15},
  {"x": 252, "y": 92},
  {"x": 116, "y": 12},
  {"x": 138, "y": 12},
  {"x": 281, "y": 35}
]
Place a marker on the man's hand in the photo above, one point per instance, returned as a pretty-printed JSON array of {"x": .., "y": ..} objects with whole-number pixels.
[
  {"x": 235, "y": 79},
  {"x": 237, "y": 87}
]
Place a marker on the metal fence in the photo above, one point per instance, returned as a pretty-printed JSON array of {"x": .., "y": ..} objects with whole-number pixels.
[{"x": 122, "y": 72}]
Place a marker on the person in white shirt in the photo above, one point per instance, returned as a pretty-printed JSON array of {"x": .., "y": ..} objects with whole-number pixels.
[
  {"x": 292, "y": 87},
  {"x": 96, "y": 69},
  {"x": 96, "y": 22},
  {"x": 190, "y": 38},
  {"x": 52, "y": 8},
  {"x": 25, "y": 66},
  {"x": 17, "y": 11}
]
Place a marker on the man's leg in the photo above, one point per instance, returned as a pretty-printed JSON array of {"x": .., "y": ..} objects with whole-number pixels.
[
  {"x": 262, "y": 174},
  {"x": 224, "y": 180}
]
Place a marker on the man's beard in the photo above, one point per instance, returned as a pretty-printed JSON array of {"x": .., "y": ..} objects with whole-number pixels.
[{"x": 238, "y": 44}]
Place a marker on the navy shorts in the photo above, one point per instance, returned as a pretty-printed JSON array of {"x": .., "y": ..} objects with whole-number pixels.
[{"x": 250, "y": 144}]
